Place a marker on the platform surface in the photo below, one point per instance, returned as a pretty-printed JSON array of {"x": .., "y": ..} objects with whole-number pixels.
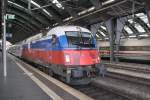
[
  {"x": 17, "y": 85},
  {"x": 23, "y": 82}
]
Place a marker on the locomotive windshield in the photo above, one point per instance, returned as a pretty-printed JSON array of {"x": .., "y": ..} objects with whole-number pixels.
[{"x": 80, "y": 39}]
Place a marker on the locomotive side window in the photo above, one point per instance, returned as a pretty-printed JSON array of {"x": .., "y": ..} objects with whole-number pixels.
[
  {"x": 73, "y": 39},
  {"x": 80, "y": 39},
  {"x": 54, "y": 39}
]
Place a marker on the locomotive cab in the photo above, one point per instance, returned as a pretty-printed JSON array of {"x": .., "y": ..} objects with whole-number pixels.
[
  {"x": 81, "y": 57},
  {"x": 82, "y": 49},
  {"x": 70, "y": 52}
]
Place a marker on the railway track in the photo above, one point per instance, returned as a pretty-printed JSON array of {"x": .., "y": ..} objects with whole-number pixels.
[
  {"x": 137, "y": 73},
  {"x": 130, "y": 66},
  {"x": 98, "y": 93},
  {"x": 132, "y": 80},
  {"x": 92, "y": 91}
]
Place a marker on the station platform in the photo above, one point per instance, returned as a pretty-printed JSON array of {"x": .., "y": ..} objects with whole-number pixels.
[{"x": 26, "y": 83}]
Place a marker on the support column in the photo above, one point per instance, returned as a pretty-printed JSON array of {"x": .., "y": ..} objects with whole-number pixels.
[
  {"x": 29, "y": 5},
  {"x": 95, "y": 27},
  {"x": 148, "y": 15},
  {"x": 110, "y": 24},
  {"x": 4, "y": 2},
  {"x": 119, "y": 28},
  {"x": 4, "y": 46}
]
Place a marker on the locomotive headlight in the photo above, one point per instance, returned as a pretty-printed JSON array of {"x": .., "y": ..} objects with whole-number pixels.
[
  {"x": 98, "y": 58},
  {"x": 67, "y": 58}
]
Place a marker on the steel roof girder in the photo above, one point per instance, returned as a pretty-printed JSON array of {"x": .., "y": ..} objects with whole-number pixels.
[
  {"x": 37, "y": 16},
  {"x": 26, "y": 1},
  {"x": 34, "y": 23},
  {"x": 148, "y": 15},
  {"x": 104, "y": 31},
  {"x": 95, "y": 27},
  {"x": 119, "y": 28},
  {"x": 135, "y": 31},
  {"x": 96, "y": 3},
  {"x": 110, "y": 25},
  {"x": 142, "y": 23},
  {"x": 55, "y": 17},
  {"x": 20, "y": 28},
  {"x": 70, "y": 10},
  {"x": 26, "y": 21},
  {"x": 23, "y": 22}
]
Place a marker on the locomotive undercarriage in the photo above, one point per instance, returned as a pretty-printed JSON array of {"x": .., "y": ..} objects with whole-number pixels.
[{"x": 75, "y": 75}]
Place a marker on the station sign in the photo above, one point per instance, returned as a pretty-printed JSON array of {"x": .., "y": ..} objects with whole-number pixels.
[{"x": 10, "y": 16}]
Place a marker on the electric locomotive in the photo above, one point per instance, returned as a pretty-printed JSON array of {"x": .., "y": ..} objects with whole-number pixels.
[{"x": 70, "y": 52}]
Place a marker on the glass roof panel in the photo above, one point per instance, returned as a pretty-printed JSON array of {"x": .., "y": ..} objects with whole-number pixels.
[
  {"x": 86, "y": 10},
  {"x": 37, "y": 5},
  {"x": 139, "y": 27},
  {"x": 140, "y": 14},
  {"x": 130, "y": 21},
  {"x": 103, "y": 27},
  {"x": 136, "y": 25},
  {"x": 143, "y": 17},
  {"x": 58, "y": 4},
  {"x": 102, "y": 33},
  {"x": 127, "y": 29},
  {"x": 97, "y": 36}
]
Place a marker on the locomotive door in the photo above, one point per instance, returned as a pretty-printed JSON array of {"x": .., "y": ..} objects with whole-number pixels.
[
  {"x": 50, "y": 50},
  {"x": 29, "y": 48},
  {"x": 55, "y": 46}
]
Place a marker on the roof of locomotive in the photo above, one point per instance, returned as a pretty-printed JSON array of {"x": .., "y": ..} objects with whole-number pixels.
[{"x": 60, "y": 30}]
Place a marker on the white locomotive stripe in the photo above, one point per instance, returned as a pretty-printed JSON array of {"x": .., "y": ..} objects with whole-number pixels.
[
  {"x": 47, "y": 90},
  {"x": 65, "y": 87}
]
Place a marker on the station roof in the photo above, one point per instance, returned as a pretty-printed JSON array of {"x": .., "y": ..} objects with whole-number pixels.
[{"x": 32, "y": 16}]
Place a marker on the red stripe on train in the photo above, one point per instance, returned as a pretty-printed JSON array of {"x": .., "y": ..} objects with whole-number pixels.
[{"x": 76, "y": 57}]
